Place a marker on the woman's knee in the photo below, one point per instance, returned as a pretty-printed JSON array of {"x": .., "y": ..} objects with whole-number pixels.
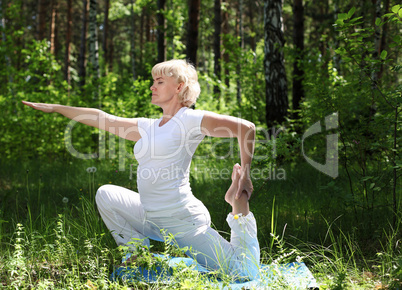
[{"x": 103, "y": 193}]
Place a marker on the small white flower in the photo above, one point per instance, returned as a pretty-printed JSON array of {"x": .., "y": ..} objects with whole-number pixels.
[{"x": 65, "y": 200}]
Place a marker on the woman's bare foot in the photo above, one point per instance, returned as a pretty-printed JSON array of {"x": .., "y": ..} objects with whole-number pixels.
[{"x": 231, "y": 193}]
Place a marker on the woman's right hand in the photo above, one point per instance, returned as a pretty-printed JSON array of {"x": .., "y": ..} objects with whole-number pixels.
[{"x": 47, "y": 108}]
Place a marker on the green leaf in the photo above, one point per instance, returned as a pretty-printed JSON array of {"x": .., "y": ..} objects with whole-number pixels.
[
  {"x": 387, "y": 15},
  {"x": 378, "y": 21},
  {"x": 342, "y": 16},
  {"x": 395, "y": 8},
  {"x": 339, "y": 22},
  {"x": 340, "y": 50},
  {"x": 383, "y": 54},
  {"x": 351, "y": 12},
  {"x": 400, "y": 13}
]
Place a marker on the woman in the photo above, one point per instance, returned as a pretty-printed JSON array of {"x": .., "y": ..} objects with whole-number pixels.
[{"x": 164, "y": 149}]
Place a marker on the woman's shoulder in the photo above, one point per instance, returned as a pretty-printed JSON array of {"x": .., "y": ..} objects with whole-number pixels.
[{"x": 190, "y": 112}]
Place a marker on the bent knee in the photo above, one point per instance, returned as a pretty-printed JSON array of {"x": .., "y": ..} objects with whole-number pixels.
[{"x": 102, "y": 194}]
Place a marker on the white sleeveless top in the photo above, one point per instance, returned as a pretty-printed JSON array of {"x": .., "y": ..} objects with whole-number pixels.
[{"x": 164, "y": 155}]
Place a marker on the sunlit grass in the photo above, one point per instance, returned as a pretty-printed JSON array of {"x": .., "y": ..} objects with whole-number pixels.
[{"x": 53, "y": 237}]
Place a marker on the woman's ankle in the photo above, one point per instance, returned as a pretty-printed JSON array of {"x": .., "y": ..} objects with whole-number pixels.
[{"x": 241, "y": 205}]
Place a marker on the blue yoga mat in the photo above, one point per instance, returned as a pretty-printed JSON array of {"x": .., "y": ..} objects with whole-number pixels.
[{"x": 293, "y": 275}]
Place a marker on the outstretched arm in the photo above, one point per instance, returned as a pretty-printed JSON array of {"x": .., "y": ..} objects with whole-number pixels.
[
  {"x": 216, "y": 125},
  {"x": 126, "y": 128}
]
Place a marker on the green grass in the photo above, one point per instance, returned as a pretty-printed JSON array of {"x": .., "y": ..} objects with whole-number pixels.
[{"x": 52, "y": 237}]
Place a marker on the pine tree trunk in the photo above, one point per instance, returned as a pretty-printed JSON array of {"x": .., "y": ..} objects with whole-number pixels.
[
  {"x": 111, "y": 50},
  {"x": 3, "y": 38},
  {"x": 298, "y": 40},
  {"x": 217, "y": 46},
  {"x": 337, "y": 59},
  {"x": 42, "y": 19},
  {"x": 53, "y": 22},
  {"x": 132, "y": 34},
  {"x": 68, "y": 42},
  {"x": 142, "y": 28},
  {"x": 21, "y": 39},
  {"x": 171, "y": 30},
  {"x": 93, "y": 46},
  {"x": 148, "y": 26},
  {"x": 225, "y": 31},
  {"x": 83, "y": 45},
  {"x": 276, "y": 91},
  {"x": 251, "y": 8},
  {"x": 192, "y": 31},
  {"x": 161, "y": 31},
  {"x": 105, "y": 35},
  {"x": 241, "y": 44}
]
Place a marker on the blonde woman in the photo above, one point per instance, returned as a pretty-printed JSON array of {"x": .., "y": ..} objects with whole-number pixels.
[{"x": 164, "y": 149}]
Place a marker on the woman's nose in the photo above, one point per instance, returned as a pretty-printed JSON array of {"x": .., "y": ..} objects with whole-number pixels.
[{"x": 152, "y": 88}]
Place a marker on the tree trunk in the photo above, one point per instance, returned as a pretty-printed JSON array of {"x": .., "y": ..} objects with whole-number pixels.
[
  {"x": 83, "y": 45},
  {"x": 217, "y": 46},
  {"x": 54, "y": 8},
  {"x": 111, "y": 50},
  {"x": 20, "y": 42},
  {"x": 276, "y": 91},
  {"x": 42, "y": 19},
  {"x": 253, "y": 44},
  {"x": 132, "y": 45},
  {"x": 225, "y": 30},
  {"x": 192, "y": 31},
  {"x": 337, "y": 58},
  {"x": 298, "y": 40},
  {"x": 68, "y": 42},
  {"x": 148, "y": 26},
  {"x": 142, "y": 28},
  {"x": 105, "y": 35},
  {"x": 3, "y": 38},
  {"x": 93, "y": 46},
  {"x": 241, "y": 44},
  {"x": 161, "y": 31},
  {"x": 171, "y": 32}
]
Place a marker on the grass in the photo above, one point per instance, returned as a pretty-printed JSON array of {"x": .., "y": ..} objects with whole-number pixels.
[{"x": 52, "y": 236}]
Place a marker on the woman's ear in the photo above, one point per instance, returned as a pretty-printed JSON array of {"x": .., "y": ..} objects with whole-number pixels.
[{"x": 180, "y": 87}]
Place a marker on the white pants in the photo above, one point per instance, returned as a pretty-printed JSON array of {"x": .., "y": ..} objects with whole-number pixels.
[{"x": 125, "y": 217}]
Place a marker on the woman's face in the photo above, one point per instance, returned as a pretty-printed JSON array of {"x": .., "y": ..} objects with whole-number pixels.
[{"x": 164, "y": 90}]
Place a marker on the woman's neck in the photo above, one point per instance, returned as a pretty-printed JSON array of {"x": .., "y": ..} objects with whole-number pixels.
[{"x": 169, "y": 112}]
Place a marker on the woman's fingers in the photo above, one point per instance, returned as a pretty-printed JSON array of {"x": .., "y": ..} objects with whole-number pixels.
[{"x": 47, "y": 108}]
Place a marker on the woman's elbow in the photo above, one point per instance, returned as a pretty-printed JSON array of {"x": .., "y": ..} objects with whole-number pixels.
[{"x": 249, "y": 128}]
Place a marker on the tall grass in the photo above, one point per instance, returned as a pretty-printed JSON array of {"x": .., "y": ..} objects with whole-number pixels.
[{"x": 53, "y": 237}]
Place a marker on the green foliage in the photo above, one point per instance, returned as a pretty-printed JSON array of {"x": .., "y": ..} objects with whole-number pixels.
[
  {"x": 48, "y": 243},
  {"x": 369, "y": 113}
]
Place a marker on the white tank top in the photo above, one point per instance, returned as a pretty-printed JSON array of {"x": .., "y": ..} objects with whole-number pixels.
[{"x": 164, "y": 155}]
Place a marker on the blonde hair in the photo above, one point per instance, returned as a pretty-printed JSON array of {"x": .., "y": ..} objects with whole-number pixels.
[{"x": 183, "y": 72}]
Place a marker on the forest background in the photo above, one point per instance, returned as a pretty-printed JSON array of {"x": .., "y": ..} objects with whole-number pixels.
[{"x": 283, "y": 65}]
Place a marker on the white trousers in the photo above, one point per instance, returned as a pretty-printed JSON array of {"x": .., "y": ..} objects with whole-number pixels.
[{"x": 124, "y": 215}]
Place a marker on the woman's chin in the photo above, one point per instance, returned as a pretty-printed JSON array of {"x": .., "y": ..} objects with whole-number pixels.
[{"x": 155, "y": 103}]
